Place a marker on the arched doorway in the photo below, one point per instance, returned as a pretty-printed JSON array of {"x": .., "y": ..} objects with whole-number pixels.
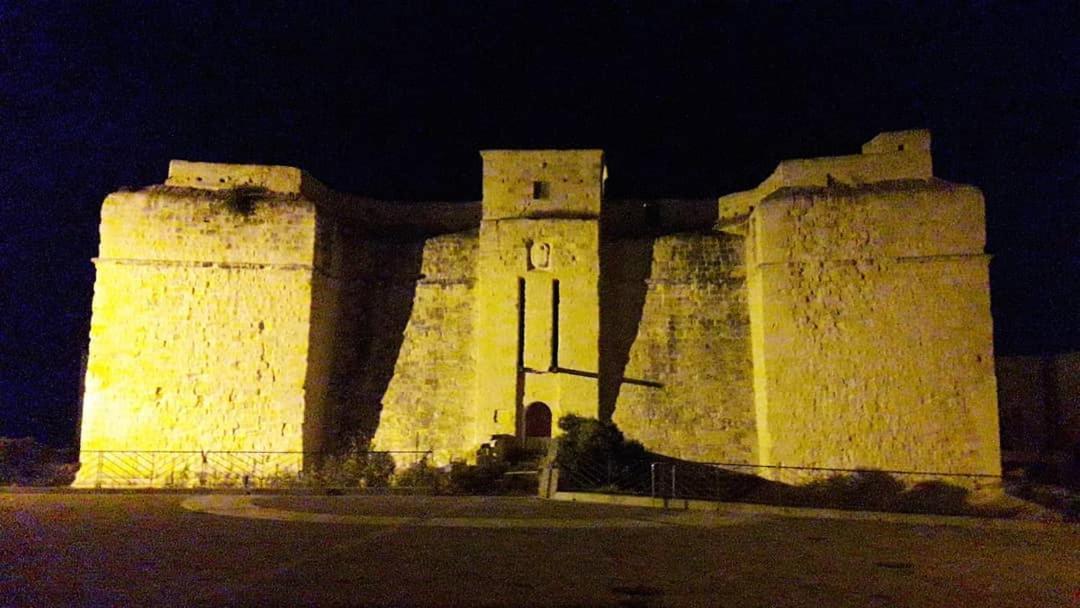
[{"x": 537, "y": 425}]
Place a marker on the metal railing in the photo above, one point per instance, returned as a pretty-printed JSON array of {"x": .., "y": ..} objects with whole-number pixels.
[
  {"x": 240, "y": 469},
  {"x": 667, "y": 478}
]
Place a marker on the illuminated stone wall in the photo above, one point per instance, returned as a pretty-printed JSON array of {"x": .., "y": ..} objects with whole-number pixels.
[
  {"x": 835, "y": 316},
  {"x": 540, "y": 225},
  {"x": 872, "y": 331},
  {"x": 430, "y": 401},
  {"x": 686, "y": 388},
  {"x": 187, "y": 352}
]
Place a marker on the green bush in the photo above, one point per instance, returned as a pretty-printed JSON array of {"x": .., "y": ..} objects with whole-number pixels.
[
  {"x": 478, "y": 479},
  {"x": 27, "y": 462},
  {"x": 594, "y": 440},
  {"x": 356, "y": 468},
  {"x": 592, "y": 451},
  {"x": 459, "y": 478},
  {"x": 423, "y": 476}
]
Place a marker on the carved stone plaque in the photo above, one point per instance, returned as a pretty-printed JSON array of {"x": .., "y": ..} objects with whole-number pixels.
[{"x": 540, "y": 256}]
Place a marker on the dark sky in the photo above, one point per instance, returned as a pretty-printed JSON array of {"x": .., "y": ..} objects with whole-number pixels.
[{"x": 393, "y": 100}]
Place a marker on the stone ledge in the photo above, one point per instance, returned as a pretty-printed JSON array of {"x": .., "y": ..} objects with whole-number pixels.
[{"x": 222, "y": 176}]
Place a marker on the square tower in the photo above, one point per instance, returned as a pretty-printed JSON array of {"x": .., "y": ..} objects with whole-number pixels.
[{"x": 538, "y": 303}]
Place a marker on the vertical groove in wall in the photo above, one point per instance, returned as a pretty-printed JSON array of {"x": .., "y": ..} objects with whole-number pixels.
[
  {"x": 555, "y": 325},
  {"x": 519, "y": 378},
  {"x": 521, "y": 324}
]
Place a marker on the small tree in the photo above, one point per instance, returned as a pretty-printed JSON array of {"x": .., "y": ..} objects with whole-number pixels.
[{"x": 595, "y": 452}]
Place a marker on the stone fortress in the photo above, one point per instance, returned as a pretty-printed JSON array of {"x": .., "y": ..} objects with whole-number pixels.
[{"x": 837, "y": 315}]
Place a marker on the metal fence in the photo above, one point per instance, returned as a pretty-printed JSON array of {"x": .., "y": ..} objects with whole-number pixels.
[
  {"x": 240, "y": 469},
  {"x": 661, "y": 477}
]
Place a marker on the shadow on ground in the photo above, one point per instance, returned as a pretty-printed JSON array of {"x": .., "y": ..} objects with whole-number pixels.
[{"x": 865, "y": 490}]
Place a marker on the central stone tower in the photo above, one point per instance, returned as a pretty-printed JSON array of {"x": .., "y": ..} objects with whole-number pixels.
[{"x": 538, "y": 302}]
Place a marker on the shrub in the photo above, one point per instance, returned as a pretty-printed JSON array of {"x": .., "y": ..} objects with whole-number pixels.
[
  {"x": 241, "y": 200},
  {"x": 27, "y": 462},
  {"x": 595, "y": 452},
  {"x": 377, "y": 470},
  {"x": 486, "y": 478},
  {"x": 355, "y": 468},
  {"x": 596, "y": 440},
  {"x": 423, "y": 476}
]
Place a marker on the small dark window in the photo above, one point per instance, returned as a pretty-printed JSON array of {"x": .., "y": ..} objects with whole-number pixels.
[
  {"x": 540, "y": 190},
  {"x": 900, "y": 147}
]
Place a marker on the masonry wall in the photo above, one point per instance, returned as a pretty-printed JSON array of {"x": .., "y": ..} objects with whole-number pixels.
[
  {"x": 325, "y": 320},
  {"x": 842, "y": 320},
  {"x": 429, "y": 403},
  {"x": 1039, "y": 397},
  {"x": 504, "y": 268},
  {"x": 540, "y": 224},
  {"x": 686, "y": 389},
  {"x": 872, "y": 330},
  {"x": 200, "y": 324}
]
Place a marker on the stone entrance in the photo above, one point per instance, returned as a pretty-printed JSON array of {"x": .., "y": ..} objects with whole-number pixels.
[{"x": 537, "y": 425}]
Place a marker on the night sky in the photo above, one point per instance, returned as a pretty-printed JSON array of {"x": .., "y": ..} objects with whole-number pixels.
[{"x": 394, "y": 101}]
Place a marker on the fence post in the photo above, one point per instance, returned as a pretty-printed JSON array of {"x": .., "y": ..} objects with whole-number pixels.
[
  {"x": 153, "y": 468},
  {"x": 100, "y": 466},
  {"x": 652, "y": 480}
]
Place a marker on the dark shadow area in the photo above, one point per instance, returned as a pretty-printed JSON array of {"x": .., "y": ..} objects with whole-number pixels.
[
  {"x": 1053, "y": 483},
  {"x": 625, "y": 266},
  {"x": 377, "y": 309},
  {"x": 594, "y": 456},
  {"x": 25, "y": 462},
  {"x": 864, "y": 490},
  {"x": 629, "y": 231},
  {"x": 371, "y": 285},
  {"x": 1039, "y": 429},
  {"x": 933, "y": 497},
  {"x": 368, "y": 257},
  {"x": 628, "y": 218},
  {"x": 665, "y": 477}
]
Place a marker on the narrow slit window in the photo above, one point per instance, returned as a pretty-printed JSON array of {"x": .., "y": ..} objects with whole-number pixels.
[
  {"x": 555, "y": 325},
  {"x": 540, "y": 190},
  {"x": 521, "y": 324}
]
